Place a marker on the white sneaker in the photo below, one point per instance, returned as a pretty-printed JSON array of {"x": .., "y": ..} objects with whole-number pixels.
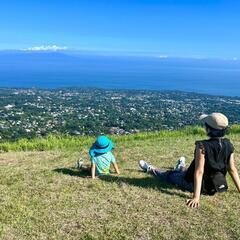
[
  {"x": 79, "y": 163},
  {"x": 145, "y": 166},
  {"x": 180, "y": 163}
]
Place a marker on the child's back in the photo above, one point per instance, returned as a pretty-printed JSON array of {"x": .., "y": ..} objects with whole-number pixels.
[
  {"x": 103, "y": 162},
  {"x": 102, "y": 157}
]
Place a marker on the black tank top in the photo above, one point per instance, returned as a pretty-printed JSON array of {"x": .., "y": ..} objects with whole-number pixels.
[{"x": 217, "y": 155}]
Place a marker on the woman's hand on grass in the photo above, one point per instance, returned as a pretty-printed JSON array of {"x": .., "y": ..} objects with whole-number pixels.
[{"x": 193, "y": 203}]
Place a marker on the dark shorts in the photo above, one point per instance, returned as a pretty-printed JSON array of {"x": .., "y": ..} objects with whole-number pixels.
[{"x": 175, "y": 178}]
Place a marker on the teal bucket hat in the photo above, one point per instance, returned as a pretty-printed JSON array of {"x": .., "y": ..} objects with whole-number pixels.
[{"x": 102, "y": 145}]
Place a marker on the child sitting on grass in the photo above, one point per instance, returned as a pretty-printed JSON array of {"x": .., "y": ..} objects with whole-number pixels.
[
  {"x": 101, "y": 157},
  {"x": 213, "y": 158}
]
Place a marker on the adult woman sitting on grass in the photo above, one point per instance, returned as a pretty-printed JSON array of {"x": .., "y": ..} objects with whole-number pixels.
[{"x": 212, "y": 159}]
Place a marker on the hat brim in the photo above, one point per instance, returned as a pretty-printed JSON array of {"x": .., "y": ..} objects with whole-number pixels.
[
  {"x": 95, "y": 149},
  {"x": 203, "y": 117}
]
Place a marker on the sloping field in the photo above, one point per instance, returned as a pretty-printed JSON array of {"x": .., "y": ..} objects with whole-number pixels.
[{"x": 43, "y": 196}]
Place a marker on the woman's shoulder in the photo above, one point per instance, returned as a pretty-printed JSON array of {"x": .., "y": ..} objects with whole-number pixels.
[
  {"x": 201, "y": 143},
  {"x": 200, "y": 146}
]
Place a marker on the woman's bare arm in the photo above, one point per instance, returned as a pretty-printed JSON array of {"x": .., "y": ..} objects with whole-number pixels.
[
  {"x": 232, "y": 170},
  {"x": 198, "y": 176}
]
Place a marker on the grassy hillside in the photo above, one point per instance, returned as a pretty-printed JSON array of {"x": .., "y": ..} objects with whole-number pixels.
[
  {"x": 43, "y": 196},
  {"x": 54, "y": 142}
]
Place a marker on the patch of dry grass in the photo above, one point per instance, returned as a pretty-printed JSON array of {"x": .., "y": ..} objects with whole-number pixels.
[{"x": 44, "y": 197}]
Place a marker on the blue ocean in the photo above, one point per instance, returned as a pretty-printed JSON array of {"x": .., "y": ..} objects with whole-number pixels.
[{"x": 57, "y": 70}]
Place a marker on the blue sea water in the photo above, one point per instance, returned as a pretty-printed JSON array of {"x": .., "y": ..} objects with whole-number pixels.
[
  {"x": 202, "y": 77},
  {"x": 217, "y": 83}
]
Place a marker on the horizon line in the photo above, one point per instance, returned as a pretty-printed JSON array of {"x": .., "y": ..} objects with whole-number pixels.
[{"x": 112, "y": 52}]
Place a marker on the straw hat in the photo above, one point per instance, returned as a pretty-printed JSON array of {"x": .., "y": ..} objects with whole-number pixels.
[{"x": 215, "y": 120}]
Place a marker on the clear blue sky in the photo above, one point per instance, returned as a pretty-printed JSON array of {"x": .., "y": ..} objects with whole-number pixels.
[{"x": 190, "y": 28}]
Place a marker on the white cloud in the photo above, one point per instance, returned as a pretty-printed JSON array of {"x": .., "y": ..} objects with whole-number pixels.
[
  {"x": 46, "y": 48},
  {"x": 162, "y": 56},
  {"x": 235, "y": 59}
]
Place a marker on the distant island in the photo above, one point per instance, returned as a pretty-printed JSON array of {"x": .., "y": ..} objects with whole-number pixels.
[{"x": 28, "y": 113}]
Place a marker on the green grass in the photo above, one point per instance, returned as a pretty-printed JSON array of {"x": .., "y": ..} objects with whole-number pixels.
[
  {"x": 43, "y": 196},
  {"x": 61, "y": 142}
]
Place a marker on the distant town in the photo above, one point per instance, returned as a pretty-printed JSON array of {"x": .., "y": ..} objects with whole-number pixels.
[{"x": 28, "y": 113}]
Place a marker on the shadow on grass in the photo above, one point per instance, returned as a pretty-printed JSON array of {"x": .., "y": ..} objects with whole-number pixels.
[
  {"x": 73, "y": 172},
  {"x": 147, "y": 182},
  {"x": 131, "y": 170},
  {"x": 140, "y": 170}
]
